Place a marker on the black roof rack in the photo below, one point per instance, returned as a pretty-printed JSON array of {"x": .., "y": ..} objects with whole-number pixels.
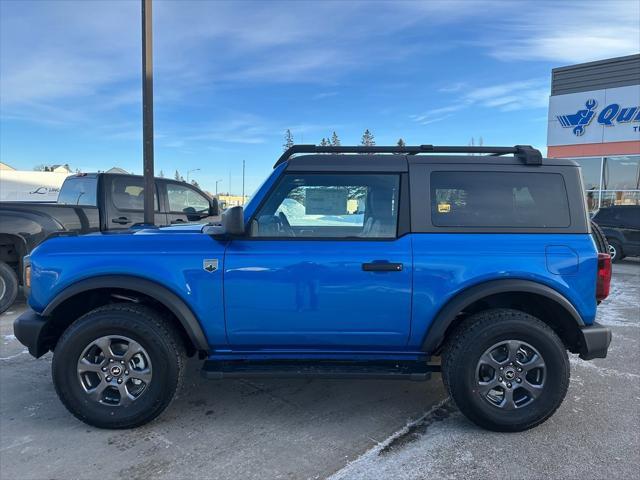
[{"x": 526, "y": 153}]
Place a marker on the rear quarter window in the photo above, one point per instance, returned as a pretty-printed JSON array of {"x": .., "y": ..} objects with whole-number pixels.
[
  {"x": 499, "y": 200},
  {"x": 79, "y": 191}
]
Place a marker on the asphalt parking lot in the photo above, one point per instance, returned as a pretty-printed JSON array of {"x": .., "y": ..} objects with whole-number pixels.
[{"x": 339, "y": 429}]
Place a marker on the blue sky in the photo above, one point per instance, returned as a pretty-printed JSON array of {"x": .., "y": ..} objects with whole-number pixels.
[{"x": 230, "y": 77}]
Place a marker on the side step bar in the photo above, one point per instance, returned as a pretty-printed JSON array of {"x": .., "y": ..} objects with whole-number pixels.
[{"x": 415, "y": 371}]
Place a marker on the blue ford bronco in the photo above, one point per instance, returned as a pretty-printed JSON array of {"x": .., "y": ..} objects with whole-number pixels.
[{"x": 349, "y": 262}]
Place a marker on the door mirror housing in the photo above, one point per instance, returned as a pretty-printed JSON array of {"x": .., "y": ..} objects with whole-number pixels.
[{"x": 232, "y": 223}]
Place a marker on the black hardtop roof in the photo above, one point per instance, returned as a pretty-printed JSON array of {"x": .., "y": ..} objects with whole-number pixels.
[{"x": 396, "y": 158}]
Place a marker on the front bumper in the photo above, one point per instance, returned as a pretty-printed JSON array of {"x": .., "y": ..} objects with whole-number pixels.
[
  {"x": 594, "y": 341},
  {"x": 31, "y": 330}
]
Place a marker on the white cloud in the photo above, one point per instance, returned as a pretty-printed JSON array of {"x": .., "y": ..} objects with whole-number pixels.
[
  {"x": 66, "y": 62},
  {"x": 438, "y": 114},
  {"x": 241, "y": 128},
  {"x": 567, "y": 32},
  {"x": 453, "y": 87},
  {"x": 505, "y": 97}
]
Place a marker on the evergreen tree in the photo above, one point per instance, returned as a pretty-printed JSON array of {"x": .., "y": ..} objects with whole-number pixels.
[
  {"x": 367, "y": 139},
  {"x": 325, "y": 142},
  {"x": 177, "y": 175},
  {"x": 401, "y": 143},
  {"x": 195, "y": 184},
  {"x": 335, "y": 141},
  {"x": 161, "y": 174},
  {"x": 288, "y": 140}
]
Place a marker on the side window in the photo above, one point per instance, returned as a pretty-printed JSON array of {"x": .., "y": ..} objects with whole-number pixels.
[
  {"x": 498, "y": 199},
  {"x": 603, "y": 215},
  {"x": 79, "y": 191},
  {"x": 630, "y": 217},
  {"x": 183, "y": 199},
  {"x": 330, "y": 206},
  {"x": 127, "y": 193}
]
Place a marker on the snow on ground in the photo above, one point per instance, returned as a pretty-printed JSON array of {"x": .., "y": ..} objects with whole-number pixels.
[{"x": 594, "y": 434}]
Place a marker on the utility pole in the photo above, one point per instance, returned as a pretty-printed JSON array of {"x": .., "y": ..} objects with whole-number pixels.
[
  {"x": 243, "y": 183},
  {"x": 217, "y": 181},
  {"x": 189, "y": 171},
  {"x": 147, "y": 113}
]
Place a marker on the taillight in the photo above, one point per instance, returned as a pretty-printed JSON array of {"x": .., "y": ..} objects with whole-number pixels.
[{"x": 603, "y": 283}]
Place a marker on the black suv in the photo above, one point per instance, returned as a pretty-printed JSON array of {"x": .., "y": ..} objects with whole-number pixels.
[{"x": 621, "y": 225}]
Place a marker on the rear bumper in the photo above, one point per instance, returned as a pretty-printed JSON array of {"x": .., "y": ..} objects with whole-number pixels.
[
  {"x": 594, "y": 341},
  {"x": 30, "y": 330}
]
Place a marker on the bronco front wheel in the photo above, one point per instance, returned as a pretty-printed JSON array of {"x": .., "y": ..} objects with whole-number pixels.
[
  {"x": 506, "y": 370},
  {"x": 118, "y": 366}
]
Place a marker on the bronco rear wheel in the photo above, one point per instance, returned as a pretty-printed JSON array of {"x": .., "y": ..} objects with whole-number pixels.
[
  {"x": 118, "y": 366},
  {"x": 506, "y": 370}
]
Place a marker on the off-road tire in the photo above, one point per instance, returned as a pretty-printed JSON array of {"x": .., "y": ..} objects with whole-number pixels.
[
  {"x": 473, "y": 337},
  {"x": 153, "y": 332},
  {"x": 8, "y": 286}
]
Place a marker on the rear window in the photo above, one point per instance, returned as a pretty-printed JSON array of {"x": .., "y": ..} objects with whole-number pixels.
[
  {"x": 78, "y": 191},
  {"x": 499, "y": 199}
]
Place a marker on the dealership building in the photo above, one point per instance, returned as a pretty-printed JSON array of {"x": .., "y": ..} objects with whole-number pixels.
[{"x": 594, "y": 119}]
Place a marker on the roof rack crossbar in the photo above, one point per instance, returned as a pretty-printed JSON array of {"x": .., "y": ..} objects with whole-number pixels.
[{"x": 526, "y": 153}]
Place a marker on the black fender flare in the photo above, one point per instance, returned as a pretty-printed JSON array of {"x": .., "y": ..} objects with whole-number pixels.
[
  {"x": 150, "y": 288},
  {"x": 436, "y": 332}
]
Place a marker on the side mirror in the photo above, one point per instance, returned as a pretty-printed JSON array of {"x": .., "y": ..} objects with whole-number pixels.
[
  {"x": 232, "y": 223},
  {"x": 214, "y": 209}
]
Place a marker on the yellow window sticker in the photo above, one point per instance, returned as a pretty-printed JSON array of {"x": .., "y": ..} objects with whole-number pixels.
[{"x": 444, "y": 207}]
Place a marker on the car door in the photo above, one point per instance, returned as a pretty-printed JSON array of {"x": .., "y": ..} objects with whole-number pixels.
[
  {"x": 630, "y": 226},
  {"x": 322, "y": 266},
  {"x": 124, "y": 202},
  {"x": 185, "y": 204}
]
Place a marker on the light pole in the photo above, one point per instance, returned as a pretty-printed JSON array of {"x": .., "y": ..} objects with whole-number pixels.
[
  {"x": 189, "y": 171},
  {"x": 217, "y": 181},
  {"x": 147, "y": 113}
]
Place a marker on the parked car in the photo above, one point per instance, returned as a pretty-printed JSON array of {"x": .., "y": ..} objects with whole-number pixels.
[
  {"x": 621, "y": 226},
  {"x": 341, "y": 266},
  {"x": 95, "y": 202}
]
